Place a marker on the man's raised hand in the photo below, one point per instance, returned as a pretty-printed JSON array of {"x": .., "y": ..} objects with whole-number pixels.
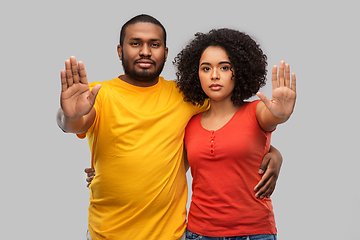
[{"x": 76, "y": 98}]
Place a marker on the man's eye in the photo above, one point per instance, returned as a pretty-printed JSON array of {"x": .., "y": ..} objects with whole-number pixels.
[
  {"x": 155, "y": 45},
  {"x": 134, "y": 44}
]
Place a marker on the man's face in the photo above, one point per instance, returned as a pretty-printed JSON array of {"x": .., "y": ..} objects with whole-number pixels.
[{"x": 143, "y": 54}]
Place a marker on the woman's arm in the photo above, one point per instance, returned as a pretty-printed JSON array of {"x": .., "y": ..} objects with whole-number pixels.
[{"x": 278, "y": 110}]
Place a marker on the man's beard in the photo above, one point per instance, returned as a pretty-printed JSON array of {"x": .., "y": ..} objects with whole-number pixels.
[{"x": 142, "y": 75}]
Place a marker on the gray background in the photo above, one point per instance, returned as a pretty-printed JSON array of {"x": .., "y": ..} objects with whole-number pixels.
[{"x": 43, "y": 189}]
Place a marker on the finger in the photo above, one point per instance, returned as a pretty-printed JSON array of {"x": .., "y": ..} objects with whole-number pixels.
[
  {"x": 293, "y": 82},
  {"x": 264, "y": 164},
  {"x": 87, "y": 170},
  {"x": 64, "y": 84},
  {"x": 259, "y": 185},
  {"x": 281, "y": 74},
  {"x": 287, "y": 75},
  {"x": 269, "y": 186},
  {"x": 89, "y": 179},
  {"x": 82, "y": 73},
  {"x": 69, "y": 77},
  {"x": 74, "y": 69},
  {"x": 94, "y": 92},
  {"x": 262, "y": 182},
  {"x": 270, "y": 189},
  {"x": 261, "y": 193},
  {"x": 274, "y": 80},
  {"x": 261, "y": 190},
  {"x": 268, "y": 192},
  {"x": 267, "y": 189}
]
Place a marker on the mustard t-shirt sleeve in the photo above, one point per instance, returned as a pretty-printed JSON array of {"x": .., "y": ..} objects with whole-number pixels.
[{"x": 96, "y": 106}]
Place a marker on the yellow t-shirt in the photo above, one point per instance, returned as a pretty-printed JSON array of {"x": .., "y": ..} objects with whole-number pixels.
[{"x": 136, "y": 142}]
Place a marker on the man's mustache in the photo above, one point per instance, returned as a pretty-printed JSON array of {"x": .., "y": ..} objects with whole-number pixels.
[{"x": 147, "y": 60}]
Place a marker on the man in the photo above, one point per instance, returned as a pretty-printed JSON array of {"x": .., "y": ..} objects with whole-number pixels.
[{"x": 135, "y": 127}]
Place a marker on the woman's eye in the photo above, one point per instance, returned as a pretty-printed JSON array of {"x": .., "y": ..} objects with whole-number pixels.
[
  {"x": 225, "y": 68},
  {"x": 206, "y": 69}
]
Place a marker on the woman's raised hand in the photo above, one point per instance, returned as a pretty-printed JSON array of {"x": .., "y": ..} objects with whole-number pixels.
[{"x": 283, "y": 98}]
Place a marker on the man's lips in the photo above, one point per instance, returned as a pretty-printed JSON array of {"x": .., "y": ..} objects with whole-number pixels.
[
  {"x": 144, "y": 63},
  {"x": 215, "y": 87}
]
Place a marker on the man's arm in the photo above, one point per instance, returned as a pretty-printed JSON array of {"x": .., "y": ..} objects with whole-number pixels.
[
  {"x": 75, "y": 125},
  {"x": 186, "y": 162},
  {"x": 270, "y": 168},
  {"x": 76, "y": 114}
]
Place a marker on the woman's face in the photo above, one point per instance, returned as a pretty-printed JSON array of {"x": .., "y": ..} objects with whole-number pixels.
[{"x": 215, "y": 74}]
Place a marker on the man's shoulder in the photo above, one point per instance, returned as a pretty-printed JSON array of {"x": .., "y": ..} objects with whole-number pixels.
[
  {"x": 172, "y": 82},
  {"x": 169, "y": 84},
  {"x": 105, "y": 82}
]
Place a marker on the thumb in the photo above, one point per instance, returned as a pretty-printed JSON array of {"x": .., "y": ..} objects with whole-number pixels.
[
  {"x": 263, "y": 98},
  {"x": 94, "y": 92}
]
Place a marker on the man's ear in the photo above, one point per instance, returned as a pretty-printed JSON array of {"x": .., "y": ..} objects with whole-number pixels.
[
  {"x": 166, "y": 53},
  {"x": 119, "y": 49}
]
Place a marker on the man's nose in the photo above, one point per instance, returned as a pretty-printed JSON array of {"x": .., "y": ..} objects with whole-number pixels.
[{"x": 145, "y": 50}]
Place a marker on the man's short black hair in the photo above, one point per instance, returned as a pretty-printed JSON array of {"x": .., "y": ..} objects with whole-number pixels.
[{"x": 140, "y": 18}]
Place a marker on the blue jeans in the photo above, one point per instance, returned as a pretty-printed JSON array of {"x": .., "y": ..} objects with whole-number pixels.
[{"x": 194, "y": 236}]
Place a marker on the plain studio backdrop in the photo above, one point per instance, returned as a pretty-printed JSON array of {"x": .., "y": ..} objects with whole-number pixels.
[{"x": 43, "y": 188}]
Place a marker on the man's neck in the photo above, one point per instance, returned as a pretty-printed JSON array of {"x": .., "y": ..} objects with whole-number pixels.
[{"x": 137, "y": 83}]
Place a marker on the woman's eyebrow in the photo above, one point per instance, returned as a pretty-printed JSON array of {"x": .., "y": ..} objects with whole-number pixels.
[
  {"x": 222, "y": 62},
  {"x": 225, "y": 62}
]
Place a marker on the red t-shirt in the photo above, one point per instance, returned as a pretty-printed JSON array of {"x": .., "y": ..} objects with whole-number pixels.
[{"x": 224, "y": 166}]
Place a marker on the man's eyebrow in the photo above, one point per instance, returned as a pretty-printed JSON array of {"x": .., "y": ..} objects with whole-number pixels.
[
  {"x": 139, "y": 39},
  {"x": 134, "y": 39}
]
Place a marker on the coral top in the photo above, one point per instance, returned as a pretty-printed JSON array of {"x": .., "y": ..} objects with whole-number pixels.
[{"x": 224, "y": 166}]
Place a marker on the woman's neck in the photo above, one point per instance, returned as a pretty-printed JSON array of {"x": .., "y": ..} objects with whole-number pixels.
[
  {"x": 218, "y": 115},
  {"x": 222, "y": 108}
]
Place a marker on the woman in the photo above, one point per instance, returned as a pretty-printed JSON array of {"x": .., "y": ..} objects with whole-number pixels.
[{"x": 225, "y": 144}]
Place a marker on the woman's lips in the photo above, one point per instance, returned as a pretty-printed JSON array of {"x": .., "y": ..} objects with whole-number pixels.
[{"x": 215, "y": 87}]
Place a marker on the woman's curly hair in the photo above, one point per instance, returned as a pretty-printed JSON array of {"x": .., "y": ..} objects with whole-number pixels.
[{"x": 248, "y": 63}]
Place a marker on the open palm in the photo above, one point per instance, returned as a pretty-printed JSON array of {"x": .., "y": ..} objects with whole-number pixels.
[
  {"x": 76, "y": 99},
  {"x": 283, "y": 98}
]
